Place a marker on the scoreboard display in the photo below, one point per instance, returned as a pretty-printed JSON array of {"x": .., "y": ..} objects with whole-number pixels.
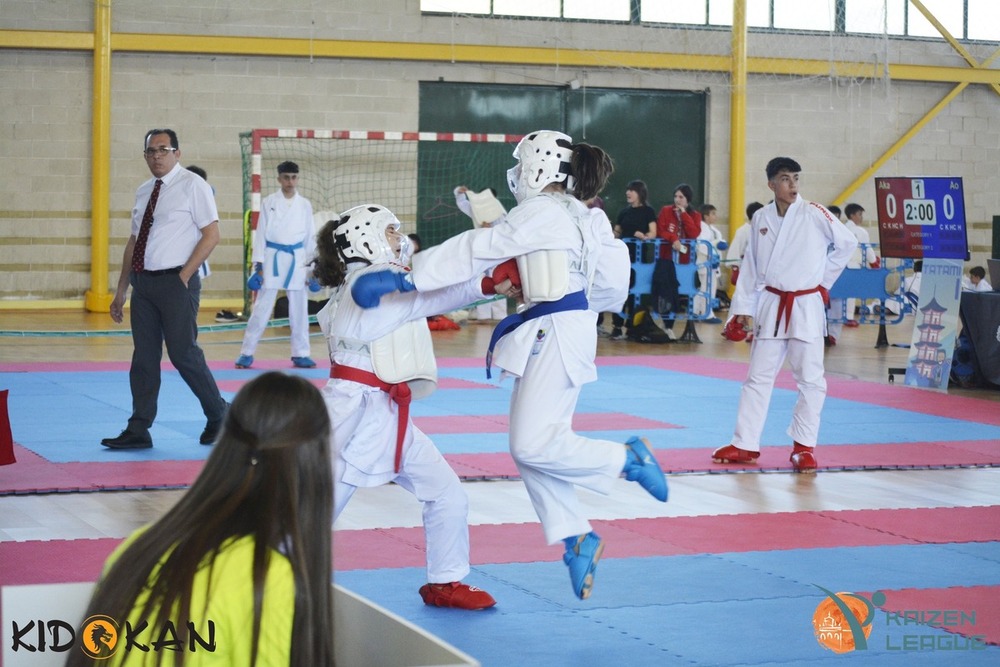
[{"x": 921, "y": 217}]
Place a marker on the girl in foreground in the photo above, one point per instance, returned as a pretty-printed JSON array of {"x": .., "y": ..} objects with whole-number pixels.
[{"x": 243, "y": 560}]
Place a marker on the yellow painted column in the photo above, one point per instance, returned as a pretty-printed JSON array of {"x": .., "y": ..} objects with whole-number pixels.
[
  {"x": 738, "y": 118},
  {"x": 737, "y": 121},
  {"x": 98, "y": 298}
]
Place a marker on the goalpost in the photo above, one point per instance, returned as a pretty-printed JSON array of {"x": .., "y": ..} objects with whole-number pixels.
[{"x": 412, "y": 174}]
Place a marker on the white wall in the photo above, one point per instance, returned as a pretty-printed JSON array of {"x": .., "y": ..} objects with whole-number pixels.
[{"x": 834, "y": 126}]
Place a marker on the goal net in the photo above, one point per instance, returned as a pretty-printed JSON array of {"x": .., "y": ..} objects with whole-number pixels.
[{"x": 413, "y": 174}]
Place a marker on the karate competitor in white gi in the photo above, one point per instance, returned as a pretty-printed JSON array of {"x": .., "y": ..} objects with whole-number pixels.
[
  {"x": 380, "y": 359},
  {"x": 855, "y": 216},
  {"x": 284, "y": 245},
  {"x": 794, "y": 254},
  {"x": 571, "y": 267}
]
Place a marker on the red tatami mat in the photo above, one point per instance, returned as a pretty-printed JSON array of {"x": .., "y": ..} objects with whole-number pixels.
[
  {"x": 670, "y": 536},
  {"x": 970, "y": 611},
  {"x": 33, "y": 474},
  {"x": 908, "y": 455}
]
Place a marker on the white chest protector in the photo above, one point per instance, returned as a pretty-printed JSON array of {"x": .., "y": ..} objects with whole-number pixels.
[
  {"x": 545, "y": 273},
  {"x": 404, "y": 355},
  {"x": 407, "y": 355}
]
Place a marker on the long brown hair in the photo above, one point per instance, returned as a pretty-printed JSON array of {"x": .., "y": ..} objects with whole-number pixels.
[
  {"x": 268, "y": 477},
  {"x": 591, "y": 167}
]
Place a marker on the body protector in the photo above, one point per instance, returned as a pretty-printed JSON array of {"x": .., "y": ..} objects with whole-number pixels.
[
  {"x": 360, "y": 235},
  {"x": 545, "y": 273},
  {"x": 543, "y": 157},
  {"x": 407, "y": 353}
]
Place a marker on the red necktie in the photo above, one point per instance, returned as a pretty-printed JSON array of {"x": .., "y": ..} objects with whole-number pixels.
[{"x": 139, "y": 251}]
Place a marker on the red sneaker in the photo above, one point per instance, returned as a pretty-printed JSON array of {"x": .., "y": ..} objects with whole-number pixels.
[
  {"x": 803, "y": 459},
  {"x": 456, "y": 595},
  {"x": 733, "y": 454},
  {"x": 852, "y": 323}
]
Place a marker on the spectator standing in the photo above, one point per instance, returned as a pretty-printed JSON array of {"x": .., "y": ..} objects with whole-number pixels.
[{"x": 674, "y": 224}]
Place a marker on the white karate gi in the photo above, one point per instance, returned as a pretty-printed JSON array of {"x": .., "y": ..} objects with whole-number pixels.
[
  {"x": 364, "y": 422},
  {"x": 837, "y": 305},
  {"x": 552, "y": 356},
  {"x": 288, "y": 222},
  {"x": 806, "y": 248}
]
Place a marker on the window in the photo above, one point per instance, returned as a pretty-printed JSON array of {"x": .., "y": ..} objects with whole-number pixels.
[{"x": 964, "y": 19}]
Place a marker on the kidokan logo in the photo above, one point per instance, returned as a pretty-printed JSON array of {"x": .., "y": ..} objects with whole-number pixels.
[
  {"x": 842, "y": 622},
  {"x": 99, "y": 637}
]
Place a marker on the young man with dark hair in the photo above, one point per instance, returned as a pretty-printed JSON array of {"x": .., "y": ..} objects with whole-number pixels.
[
  {"x": 284, "y": 244},
  {"x": 795, "y": 253}
]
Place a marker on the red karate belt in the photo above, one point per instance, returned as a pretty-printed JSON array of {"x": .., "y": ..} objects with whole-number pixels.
[
  {"x": 787, "y": 299},
  {"x": 399, "y": 393}
]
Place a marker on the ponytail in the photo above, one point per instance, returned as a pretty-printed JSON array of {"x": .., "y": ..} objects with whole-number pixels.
[{"x": 591, "y": 167}]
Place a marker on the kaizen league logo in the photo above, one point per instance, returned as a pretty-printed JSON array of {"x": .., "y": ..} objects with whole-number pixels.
[
  {"x": 100, "y": 637},
  {"x": 843, "y": 623}
]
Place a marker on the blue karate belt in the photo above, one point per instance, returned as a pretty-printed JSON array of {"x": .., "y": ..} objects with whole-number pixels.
[
  {"x": 573, "y": 301},
  {"x": 290, "y": 249}
]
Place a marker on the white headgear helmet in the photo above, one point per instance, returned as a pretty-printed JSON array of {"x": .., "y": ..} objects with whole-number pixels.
[
  {"x": 360, "y": 234},
  {"x": 543, "y": 158}
]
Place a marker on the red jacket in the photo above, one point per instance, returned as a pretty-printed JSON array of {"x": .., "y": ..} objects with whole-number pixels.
[{"x": 675, "y": 224}]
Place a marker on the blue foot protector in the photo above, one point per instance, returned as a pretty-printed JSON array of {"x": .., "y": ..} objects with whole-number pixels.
[
  {"x": 582, "y": 554},
  {"x": 641, "y": 466}
]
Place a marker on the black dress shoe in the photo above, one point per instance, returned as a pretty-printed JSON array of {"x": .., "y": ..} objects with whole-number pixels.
[
  {"x": 210, "y": 433},
  {"x": 129, "y": 440},
  {"x": 212, "y": 428}
]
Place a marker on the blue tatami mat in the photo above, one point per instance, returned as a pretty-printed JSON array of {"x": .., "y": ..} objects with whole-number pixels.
[{"x": 721, "y": 609}]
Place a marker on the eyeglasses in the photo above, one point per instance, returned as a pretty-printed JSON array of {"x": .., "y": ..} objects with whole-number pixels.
[{"x": 161, "y": 152}]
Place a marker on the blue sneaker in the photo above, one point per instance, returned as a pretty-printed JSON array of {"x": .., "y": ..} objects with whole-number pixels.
[
  {"x": 640, "y": 466},
  {"x": 303, "y": 362},
  {"x": 582, "y": 554},
  {"x": 245, "y": 361}
]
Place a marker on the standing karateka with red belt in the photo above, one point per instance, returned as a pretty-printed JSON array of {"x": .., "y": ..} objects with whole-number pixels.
[{"x": 796, "y": 251}]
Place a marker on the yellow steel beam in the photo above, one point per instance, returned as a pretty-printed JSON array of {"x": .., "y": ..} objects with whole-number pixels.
[
  {"x": 951, "y": 40},
  {"x": 97, "y": 298},
  {"x": 738, "y": 117},
  {"x": 902, "y": 141},
  {"x": 475, "y": 53},
  {"x": 53, "y": 40}
]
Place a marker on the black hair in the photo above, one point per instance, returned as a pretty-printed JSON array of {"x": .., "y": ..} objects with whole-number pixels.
[
  {"x": 329, "y": 269},
  {"x": 639, "y": 187},
  {"x": 417, "y": 241},
  {"x": 706, "y": 209},
  {"x": 195, "y": 169},
  {"x": 752, "y": 208},
  {"x": 833, "y": 208},
  {"x": 688, "y": 193},
  {"x": 851, "y": 209},
  {"x": 978, "y": 272},
  {"x": 780, "y": 164},
  {"x": 170, "y": 133},
  {"x": 288, "y": 167}
]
